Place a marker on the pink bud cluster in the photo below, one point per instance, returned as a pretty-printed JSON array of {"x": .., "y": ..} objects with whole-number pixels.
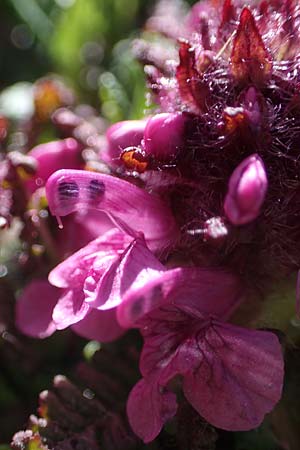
[{"x": 160, "y": 137}]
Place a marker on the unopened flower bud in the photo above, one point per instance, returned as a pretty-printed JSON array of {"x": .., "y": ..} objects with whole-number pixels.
[
  {"x": 164, "y": 134},
  {"x": 121, "y": 135},
  {"x": 246, "y": 191}
]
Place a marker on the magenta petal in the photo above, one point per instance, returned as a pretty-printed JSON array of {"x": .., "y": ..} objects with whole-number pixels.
[
  {"x": 52, "y": 156},
  {"x": 164, "y": 135},
  {"x": 136, "y": 262},
  {"x": 143, "y": 297},
  {"x": 215, "y": 293},
  {"x": 73, "y": 270},
  {"x": 69, "y": 309},
  {"x": 101, "y": 326},
  {"x": 86, "y": 227},
  {"x": 240, "y": 378},
  {"x": 168, "y": 349},
  {"x": 99, "y": 278},
  {"x": 132, "y": 209},
  {"x": 34, "y": 309},
  {"x": 149, "y": 406}
]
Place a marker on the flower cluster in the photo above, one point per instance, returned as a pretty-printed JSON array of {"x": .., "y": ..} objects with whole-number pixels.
[{"x": 197, "y": 210}]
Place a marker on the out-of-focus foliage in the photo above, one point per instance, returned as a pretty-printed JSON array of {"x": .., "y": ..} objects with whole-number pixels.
[{"x": 86, "y": 41}]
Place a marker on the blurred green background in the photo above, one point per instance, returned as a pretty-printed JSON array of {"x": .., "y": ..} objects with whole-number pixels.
[{"x": 85, "y": 41}]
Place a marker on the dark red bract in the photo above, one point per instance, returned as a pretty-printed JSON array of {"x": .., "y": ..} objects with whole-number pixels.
[{"x": 237, "y": 76}]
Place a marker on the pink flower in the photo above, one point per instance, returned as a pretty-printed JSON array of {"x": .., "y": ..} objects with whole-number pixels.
[
  {"x": 94, "y": 280},
  {"x": 232, "y": 376},
  {"x": 86, "y": 288}
]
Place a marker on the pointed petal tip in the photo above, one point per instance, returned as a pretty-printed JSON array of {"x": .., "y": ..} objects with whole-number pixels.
[{"x": 250, "y": 60}]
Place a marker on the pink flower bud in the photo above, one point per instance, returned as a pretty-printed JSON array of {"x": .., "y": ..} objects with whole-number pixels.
[
  {"x": 163, "y": 135},
  {"x": 246, "y": 191},
  {"x": 122, "y": 135}
]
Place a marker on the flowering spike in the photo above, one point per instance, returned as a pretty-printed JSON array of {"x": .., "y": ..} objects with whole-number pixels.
[
  {"x": 246, "y": 192},
  {"x": 164, "y": 135},
  {"x": 250, "y": 61},
  {"x": 131, "y": 208},
  {"x": 192, "y": 89}
]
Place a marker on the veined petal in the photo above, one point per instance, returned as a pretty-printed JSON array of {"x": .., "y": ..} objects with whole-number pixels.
[
  {"x": 240, "y": 377},
  {"x": 131, "y": 208},
  {"x": 208, "y": 292},
  {"x": 75, "y": 268},
  {"x": 101, "y": 326},
  {"x": 170, "y": 347},
  {"x": 34, "y": 309},
  {"x": 149, "y": 406}
]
